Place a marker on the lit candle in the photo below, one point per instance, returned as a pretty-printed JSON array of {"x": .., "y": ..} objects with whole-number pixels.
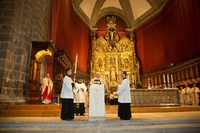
[
  {"x": 76, "y": 62},
  {"x": 116, "y": 64}
]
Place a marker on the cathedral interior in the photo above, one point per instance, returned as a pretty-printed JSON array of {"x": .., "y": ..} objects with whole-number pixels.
[{"x": 156, "y": 42}]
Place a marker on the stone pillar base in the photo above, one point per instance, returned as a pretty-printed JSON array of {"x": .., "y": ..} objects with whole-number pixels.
[{"x": 6, "y": 100}]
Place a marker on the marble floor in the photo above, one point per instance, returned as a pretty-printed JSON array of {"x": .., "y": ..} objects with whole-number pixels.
[
  {"x": 154, "y": 122},
  {"x": 176, "y": 122}
]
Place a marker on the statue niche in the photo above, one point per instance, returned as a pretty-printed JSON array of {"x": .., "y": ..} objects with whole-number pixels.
[
  {"x": 111, "y": 33},
  {"x": 100, "y": 63},
  {"x": 113, "y": 74},
  {"x": 112, "y": 55}
]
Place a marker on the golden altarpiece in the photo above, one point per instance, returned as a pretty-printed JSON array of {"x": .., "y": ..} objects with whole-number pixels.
[{"x": 111, "y": 55}]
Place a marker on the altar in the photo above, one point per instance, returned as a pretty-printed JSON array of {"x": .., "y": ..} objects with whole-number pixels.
[
  {"x": 155, "y": 97},
  {"x": 112, "y": 54},
  {"x": 97, "y": 102}
]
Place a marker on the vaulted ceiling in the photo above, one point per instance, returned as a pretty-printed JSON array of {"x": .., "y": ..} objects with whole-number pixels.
[{"x": 133, "y": 12}]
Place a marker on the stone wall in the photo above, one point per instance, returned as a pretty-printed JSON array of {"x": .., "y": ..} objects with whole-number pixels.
[{"x": 21, "y": 21}]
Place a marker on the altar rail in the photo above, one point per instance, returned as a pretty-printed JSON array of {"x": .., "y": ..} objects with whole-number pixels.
[{"x": 155, "y": 97}]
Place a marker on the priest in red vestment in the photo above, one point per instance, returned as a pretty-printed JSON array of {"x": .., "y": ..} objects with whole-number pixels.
[{"x": 47, "y": 86}]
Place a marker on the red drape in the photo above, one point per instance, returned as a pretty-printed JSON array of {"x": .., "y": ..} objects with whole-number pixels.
[
  {"x": 70, "y": 33},
  {"x": 170, "y": 37}
]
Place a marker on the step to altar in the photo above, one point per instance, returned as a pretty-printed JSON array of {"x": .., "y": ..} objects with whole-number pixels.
[
  {"x": 53, "y": 110},
  {"x": 143, "y": 125}
]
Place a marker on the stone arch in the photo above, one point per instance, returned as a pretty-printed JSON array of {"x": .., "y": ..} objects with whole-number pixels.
[{"x": 110, "y": 11}]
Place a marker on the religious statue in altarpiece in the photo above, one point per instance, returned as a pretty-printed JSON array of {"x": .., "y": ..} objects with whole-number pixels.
[{"x": 112, "y": 54}]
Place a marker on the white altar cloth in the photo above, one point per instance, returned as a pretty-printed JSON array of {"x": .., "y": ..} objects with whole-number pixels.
[{"x": 97, "y": 102}]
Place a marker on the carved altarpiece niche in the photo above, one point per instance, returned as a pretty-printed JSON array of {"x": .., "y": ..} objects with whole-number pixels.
[{"x": 112, "y": 55}]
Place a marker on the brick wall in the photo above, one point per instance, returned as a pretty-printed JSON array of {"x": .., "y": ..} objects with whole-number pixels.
[{"x": 21, "y": 21}]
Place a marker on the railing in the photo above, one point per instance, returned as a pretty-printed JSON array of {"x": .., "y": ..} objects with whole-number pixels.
[{"x": 155, "y": 97}]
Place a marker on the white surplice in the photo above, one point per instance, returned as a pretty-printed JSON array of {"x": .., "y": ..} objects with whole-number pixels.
[{"x": 97, "y": 102}]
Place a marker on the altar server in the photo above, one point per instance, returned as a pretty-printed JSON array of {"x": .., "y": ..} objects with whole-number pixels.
[
  {"x": 67, "y": 96},
  {"x": 79, "y": 98},
  {"x": 124, "y": 98}
]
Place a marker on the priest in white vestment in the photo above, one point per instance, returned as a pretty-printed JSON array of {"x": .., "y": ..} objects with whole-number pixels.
[
  {"x": 97, "y": 88},
  {"x": 187, "y": 94},
  {"x": 194, "y": 95}
]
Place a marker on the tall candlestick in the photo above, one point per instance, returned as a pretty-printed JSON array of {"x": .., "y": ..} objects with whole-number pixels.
[
  {"x": 168, "y": 78},
  {"x": 155, "y": 80},
  {"x": 164, "y": 78},
  {"x": 116, "y": 61},
  {"x": 76, "y": 62},
  {"x": 172, "y": 78}
]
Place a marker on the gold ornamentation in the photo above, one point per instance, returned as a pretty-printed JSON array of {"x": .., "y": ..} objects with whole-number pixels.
[
  {"x": 97, "y": 95},
  {"x": 105, "y": 51}
]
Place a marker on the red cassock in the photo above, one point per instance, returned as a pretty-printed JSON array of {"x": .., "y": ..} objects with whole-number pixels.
[{"x": 47, "y": 91}]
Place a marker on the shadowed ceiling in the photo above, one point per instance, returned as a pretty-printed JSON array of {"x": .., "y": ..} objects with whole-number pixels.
[{"x": 133, "y": 12}]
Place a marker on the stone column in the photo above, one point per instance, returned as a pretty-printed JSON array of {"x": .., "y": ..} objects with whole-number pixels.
[{"x": 20, "y": 27}]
